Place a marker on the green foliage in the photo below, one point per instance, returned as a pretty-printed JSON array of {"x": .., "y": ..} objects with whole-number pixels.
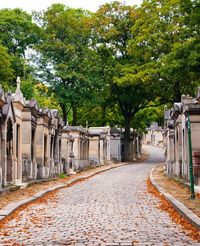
[
  {"x": 17, "y": 31},
  {"x": 45, "y": 97},
  {"x": 32, "y": 89},
  {"x": 163, "y": 35},
  {"x": 181, "y": 67},
  {"x": 27, "y": 88},
  {"x": 97, "y": 115},
  {"x": 18, "y": 34},
  {"x": 6, "y": 71},
  {"x": 112, "y": 24},
  {"x": 62, "y": 176},
  {"x": 144, "y": 117},
  {"x": 66, "y": 50}
]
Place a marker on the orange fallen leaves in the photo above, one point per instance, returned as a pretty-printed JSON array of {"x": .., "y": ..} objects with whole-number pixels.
[
  {"x": 175, "y": 216},
  {"x": 44, "y": 198},
  {"x": 135, "y": 241},
  {"x": 177, "y": 189},
  {"x": 15, "y": 214},
  {"x": 17, "y": 244}
]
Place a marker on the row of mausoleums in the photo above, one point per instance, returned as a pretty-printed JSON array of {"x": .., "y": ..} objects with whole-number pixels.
[
  {"x": 34, "y": 143},
  {"x": 177, "y": 148}
]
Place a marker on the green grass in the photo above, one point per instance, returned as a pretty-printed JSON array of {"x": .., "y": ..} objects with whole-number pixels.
[{"x": 62, "y": 175}]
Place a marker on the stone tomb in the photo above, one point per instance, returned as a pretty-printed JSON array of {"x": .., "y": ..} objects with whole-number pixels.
[
  {"x": 176, "y": 134},
  {"x": 55, "y": 138},
  {"x": 18, "y": 104},
  {"x": 67, "y": 150},
  {"x": 29, "y": 119},
  {"x": 7, "y": 140},
  {"x": 99, "y": 150},
  {"x": 115, "y": 144},
  {"x": 79, "y": 157}
]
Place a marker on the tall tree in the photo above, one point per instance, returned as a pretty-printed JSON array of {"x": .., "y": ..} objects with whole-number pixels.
[
  {"x": 182, "y": 63},
  {"x": 162, "y": 32},
  {"x": 67, "y": 59},
  {"x": 131, "y": 81},
  {"x": 18, "y": 34}
]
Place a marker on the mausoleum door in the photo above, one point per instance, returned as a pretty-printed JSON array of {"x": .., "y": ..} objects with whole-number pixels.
[
  {"x": 32, "y": 144},
  {"x": 60, "y": 159},
  {"x": 56, "y": 148},
  {"x": 9, "y": 150},
  {"x": 45, "y": 151},
  {"x": 18, "y": 150}
]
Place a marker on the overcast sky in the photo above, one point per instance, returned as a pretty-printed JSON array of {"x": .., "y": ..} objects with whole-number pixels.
[{"x": 30, "y": 5}]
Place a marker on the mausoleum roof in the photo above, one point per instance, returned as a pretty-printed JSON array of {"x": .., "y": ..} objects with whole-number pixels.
[
  {"x": 32, "y": 104},
  {"x": 115, "y": 130},
  {"x": 8, "y": 105},
  {"x": 75, "y": 128}
]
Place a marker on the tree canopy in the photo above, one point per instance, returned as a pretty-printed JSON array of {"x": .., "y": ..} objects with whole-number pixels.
[
  {"x": 116, "y": 66},
  {"x": 68, "y": 63},
  {"x": 6, "y": 71},
  {"x": 18, "y": 33}
]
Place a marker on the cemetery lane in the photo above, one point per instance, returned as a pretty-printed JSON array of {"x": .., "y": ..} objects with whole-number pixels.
[{"x": 112, "y": 208}]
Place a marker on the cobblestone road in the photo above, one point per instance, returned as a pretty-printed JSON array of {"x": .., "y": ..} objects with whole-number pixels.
[{"x": 112, "y": 208}]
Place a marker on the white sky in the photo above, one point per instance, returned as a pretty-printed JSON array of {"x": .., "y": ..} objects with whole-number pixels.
[{"x": 38, "y": 5}]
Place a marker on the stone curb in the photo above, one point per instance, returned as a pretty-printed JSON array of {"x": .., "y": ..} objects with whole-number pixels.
[
  {"x": 178, "y": 206},
  {"x": 24, "y": 185},
  {"x": 10, "y": 208}
]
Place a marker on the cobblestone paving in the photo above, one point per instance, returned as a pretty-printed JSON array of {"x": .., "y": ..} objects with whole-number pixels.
[{"x": 112, "y": 208}]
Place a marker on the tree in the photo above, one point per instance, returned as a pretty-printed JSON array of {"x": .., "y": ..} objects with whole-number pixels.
[
  {"x": 164, "y": 38},
  {"x": 130, "y": 79},
  {"x": 69, "y": 63},
  {"x": 95, "y": 114},
  {"x": 18, "y": 34},
  {"x": 146, "y": 116},
  {"x": 135, "y": 89}
]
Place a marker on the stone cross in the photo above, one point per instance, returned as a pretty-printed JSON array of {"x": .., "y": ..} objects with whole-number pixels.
[{"x": 18, "y": 83}]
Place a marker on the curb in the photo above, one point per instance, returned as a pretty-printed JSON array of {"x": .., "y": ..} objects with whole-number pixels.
[
  {"x": 24, "y": 185},
  {"x": 178, "y": 206},
  {"x": 12, "y": 207}
]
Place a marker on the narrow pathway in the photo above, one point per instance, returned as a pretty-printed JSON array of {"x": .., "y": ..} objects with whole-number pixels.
[{"x": 112, "y": 208}]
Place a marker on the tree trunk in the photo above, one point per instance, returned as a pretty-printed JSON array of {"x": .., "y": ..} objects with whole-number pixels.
[
  {"x": 127, "y": 133},
  {"x": 64, "y": 112},
  {"x": 74, "y": 115},
  {"x": 177, "y": 92},
  {"x": 103, "y": 115}
]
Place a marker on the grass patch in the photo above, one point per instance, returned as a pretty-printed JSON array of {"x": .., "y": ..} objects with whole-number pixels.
[{"x": 62, "y": 175}]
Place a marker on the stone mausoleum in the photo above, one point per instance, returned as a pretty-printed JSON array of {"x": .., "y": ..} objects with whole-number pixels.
[
  {"x": 153, "y": 135},
  {"x": 99, "y": 151},
  {"x": 176, "y": 138}
]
